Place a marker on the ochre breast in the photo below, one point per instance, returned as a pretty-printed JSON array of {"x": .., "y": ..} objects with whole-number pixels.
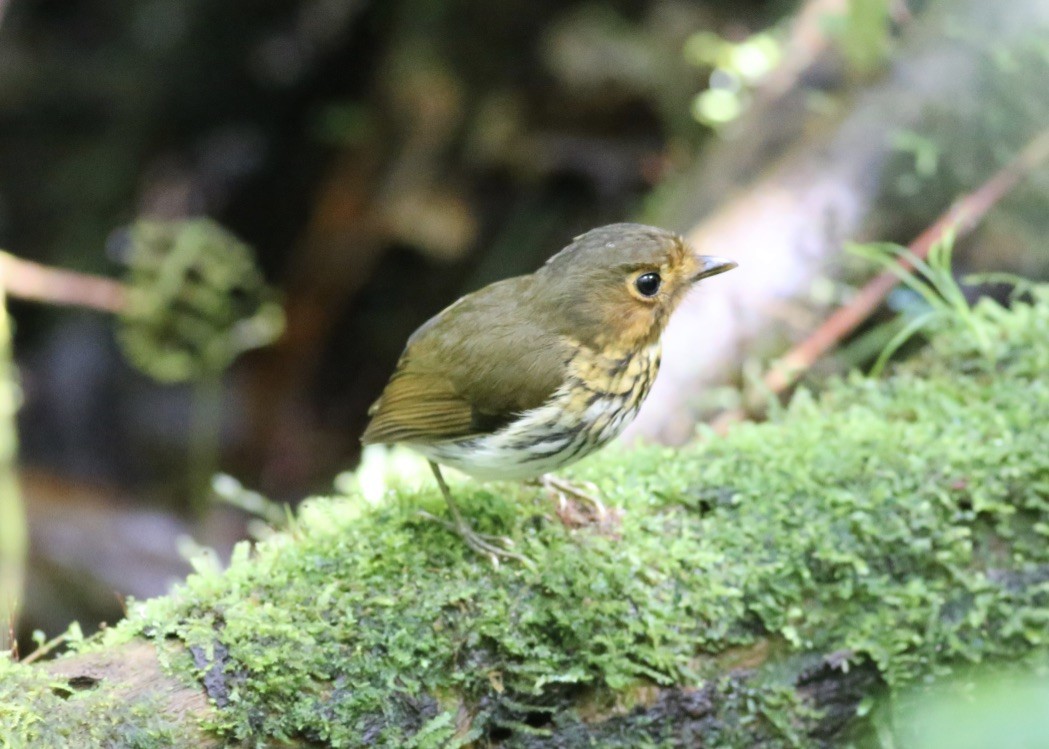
[
  {"x": 624, "y": 377},
  {"x": 600, "y": 396}
]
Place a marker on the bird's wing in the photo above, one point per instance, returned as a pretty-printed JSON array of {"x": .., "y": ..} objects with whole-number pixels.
[{"x": 471, "y": 369}]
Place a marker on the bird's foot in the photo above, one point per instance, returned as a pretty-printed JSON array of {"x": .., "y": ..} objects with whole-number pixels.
[
  {"x": 492, "y": 546},
  {"x": 567, "y": 509}
]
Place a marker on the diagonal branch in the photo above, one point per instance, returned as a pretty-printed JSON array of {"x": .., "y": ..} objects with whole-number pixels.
[{"x": 960, "y": 219}]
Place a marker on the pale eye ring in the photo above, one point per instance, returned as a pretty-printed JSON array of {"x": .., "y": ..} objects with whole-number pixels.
[{"x": 647, "y": 284}]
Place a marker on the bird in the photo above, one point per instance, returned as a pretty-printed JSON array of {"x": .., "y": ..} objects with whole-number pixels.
[{"x": 532, "y": 373}]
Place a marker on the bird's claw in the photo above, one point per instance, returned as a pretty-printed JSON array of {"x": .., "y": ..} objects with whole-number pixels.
[
  {"x": 486, "y": 544},
  {"x": 563, "y": 490}
]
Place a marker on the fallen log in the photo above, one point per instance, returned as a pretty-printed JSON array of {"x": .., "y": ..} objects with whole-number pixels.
[{"x": 763, "y": 589}]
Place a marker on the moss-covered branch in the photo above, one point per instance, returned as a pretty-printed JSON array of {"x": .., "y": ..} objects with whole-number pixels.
[{"x": 755, "y": 591}]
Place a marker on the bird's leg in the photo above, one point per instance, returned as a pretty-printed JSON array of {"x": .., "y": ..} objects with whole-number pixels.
[
  {"x": 493, "y": 547},
  {"x": 563, "y": 490}
]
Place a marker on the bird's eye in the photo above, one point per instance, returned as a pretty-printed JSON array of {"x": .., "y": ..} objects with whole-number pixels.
[{"x": 647, "y": 284}]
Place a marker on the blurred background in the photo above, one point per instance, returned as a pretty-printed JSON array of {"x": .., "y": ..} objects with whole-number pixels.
[{"x": 381, "y": 159}]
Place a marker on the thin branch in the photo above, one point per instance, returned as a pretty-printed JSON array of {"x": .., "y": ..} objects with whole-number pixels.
[
  {"x": 25, "y": 279},
  {"x": 45, "y": 648},
  {"x": 960, "y": 219}
]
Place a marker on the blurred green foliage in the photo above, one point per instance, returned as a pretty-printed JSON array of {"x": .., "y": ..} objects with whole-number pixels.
[
  {"x": 734, "y": 69},
  {"x": 196, "y": 300},
  {"x": 1000, "y": 708},
  {"x": 955, "y": 149},
  {"x": 862, "y": 34}
]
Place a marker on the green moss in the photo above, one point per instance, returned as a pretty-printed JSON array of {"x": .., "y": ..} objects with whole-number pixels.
[
  {"x": 900, "y": 522},
  {"x": 38, "y": 711}
]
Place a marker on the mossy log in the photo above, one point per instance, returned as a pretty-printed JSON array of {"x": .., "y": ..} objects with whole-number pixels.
[{"x": 763, "y": 589}]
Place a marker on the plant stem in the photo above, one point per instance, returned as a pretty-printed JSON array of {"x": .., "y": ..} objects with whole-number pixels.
[
  {"x": 13, "y": 532},
  {"x": 204, "y": 440}
]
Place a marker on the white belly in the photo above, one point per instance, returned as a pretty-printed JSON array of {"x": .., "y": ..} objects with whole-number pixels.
[
  {"x": 540, "y": 441},
  {"x": 567, "y": 428}
]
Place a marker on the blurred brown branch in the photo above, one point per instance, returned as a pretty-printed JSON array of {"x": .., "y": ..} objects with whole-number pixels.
[
  {"x": 961, "y": 218},
  {"x": 807, "y": 40},
  {"x": 25, "y": 279}
]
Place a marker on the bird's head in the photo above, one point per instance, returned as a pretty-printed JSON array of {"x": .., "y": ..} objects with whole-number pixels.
[{"x": 617, "y": 285}]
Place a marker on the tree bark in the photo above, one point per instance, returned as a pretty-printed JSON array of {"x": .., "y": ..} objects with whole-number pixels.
[
  {"x": 832, "y": 686},
  {"x": 132, "y": 673}
]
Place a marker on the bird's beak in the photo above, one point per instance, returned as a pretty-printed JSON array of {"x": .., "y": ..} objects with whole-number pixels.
[{"x": 710, "y": 265}]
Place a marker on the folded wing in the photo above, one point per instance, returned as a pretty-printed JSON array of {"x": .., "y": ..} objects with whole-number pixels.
[{"x": 471, "y": 369}]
